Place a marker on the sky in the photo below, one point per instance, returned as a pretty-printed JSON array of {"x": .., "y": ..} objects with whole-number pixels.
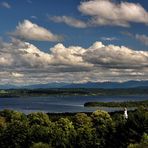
[{"x": 73, "y": 41}]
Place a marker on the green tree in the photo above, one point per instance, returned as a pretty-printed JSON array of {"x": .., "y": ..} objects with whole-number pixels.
[
  {"x": 121, "y": 132},
  {"x": 63, "y": 134},
  {"x": 142, "y": 144},
  {"x": 39, "y": 118},
  {"x": 132, "y": 129},
  {"x": 40, "y": 128},
  {"x": 11, "y": 115},
  {"x": 15, "y": 135},
  {"x": 86, "y": 136},
  {"x": 104, "y": 126},
  {"x": 81, "y": 119},
  {"x": 39, "y": 133},
  {"x": 137, "y": 124}
]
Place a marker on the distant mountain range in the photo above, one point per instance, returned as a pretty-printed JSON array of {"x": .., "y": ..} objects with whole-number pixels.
[
  {"x": 105, "y": 85},
  {"x": 35, "y": 86},
  {"x": 110, "y": 85}
]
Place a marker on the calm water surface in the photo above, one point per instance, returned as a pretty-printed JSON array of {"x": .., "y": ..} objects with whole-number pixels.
[{"x": 62, "y": 103}]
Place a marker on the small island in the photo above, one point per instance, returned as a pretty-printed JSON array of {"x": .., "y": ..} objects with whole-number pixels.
[{"x": 117, "y": 104}]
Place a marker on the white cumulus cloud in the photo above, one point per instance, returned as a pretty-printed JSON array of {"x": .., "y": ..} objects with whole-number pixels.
[
  {"x": 107, "y": 12},
  {"x": 30, "y": 31},
  {"x": 112, "y": 56}
]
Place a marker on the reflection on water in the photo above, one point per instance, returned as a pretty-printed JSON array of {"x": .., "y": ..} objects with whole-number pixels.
[{"x": 62, "y": 103}]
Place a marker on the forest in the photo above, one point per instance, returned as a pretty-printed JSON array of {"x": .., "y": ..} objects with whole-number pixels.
[{"x": 98, "y": 129}]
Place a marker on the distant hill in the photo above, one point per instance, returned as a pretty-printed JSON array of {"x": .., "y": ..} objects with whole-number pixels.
[
  {"x": 110, "y": 85},
  {"x": 35, "y": 86},
  {"x": 105, "y": 85},
  {"x": 8, "y": 86}
]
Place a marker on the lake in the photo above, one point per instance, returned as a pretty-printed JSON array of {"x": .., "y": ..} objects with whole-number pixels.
[{"x": 59, "y": 104}]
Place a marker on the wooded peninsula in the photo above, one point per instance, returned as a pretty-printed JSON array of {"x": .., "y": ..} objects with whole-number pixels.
[{"x": 118, "y": 104}]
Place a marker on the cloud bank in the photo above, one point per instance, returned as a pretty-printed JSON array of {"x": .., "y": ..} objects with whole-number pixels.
[
  {"x": 30, "y": 31},
  {"x": 23, "y": 63}
]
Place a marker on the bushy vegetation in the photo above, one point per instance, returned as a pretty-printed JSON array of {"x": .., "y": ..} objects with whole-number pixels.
[
  {"x": 143, "y": 143},
  {"x": 81, "y": 130}
]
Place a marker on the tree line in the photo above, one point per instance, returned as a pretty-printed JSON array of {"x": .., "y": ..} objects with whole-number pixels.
[
  {"x": 97, "y": 130},
  {"x": 71, "y": 91}
]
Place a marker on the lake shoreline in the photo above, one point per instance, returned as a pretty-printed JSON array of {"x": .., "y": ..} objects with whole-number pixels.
[{"x": 63, "y": 104}]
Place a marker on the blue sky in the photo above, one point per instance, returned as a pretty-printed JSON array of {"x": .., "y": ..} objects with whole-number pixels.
[
  {"x": 73, "y": 23},
  {"x": 23, "y": 9}
]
